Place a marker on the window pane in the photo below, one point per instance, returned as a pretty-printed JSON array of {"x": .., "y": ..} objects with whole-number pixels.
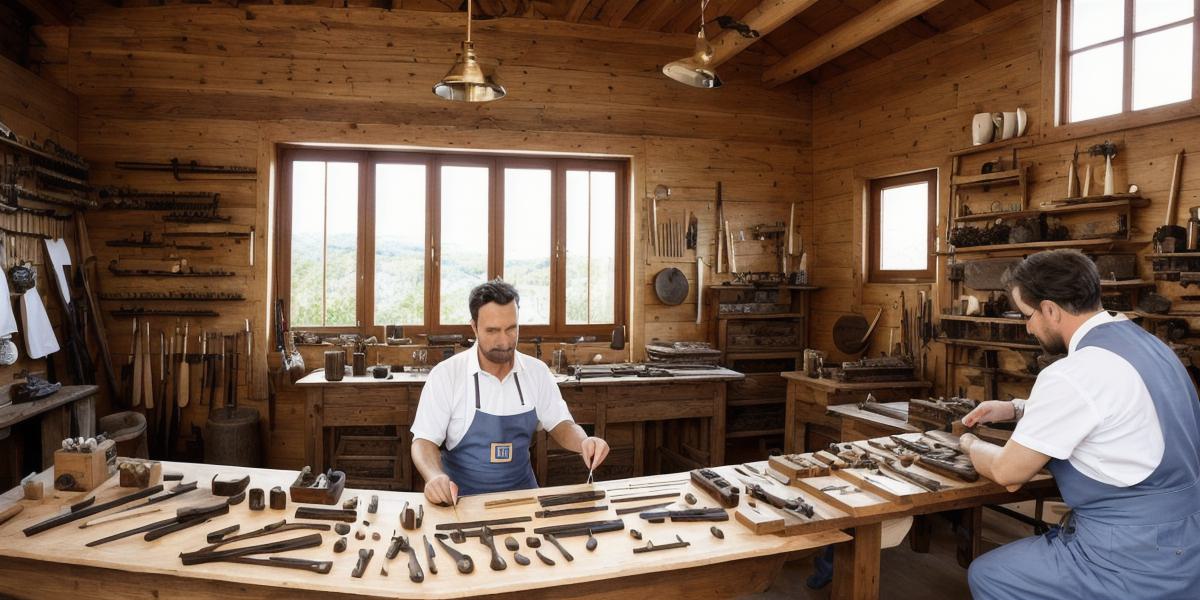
[
  {"x": 1095, "y": 21},
  {"x": 591, "y": 249},
  {"x": 341, "y": 243},
  {"x": 308, "y": 231},
  {"x": 1096, "y": 82},
  {"x": 399, "y": 244},
  {"x": 464, "y": 244},
  {"x": 1158, "y": 80},
  {"x": 904, "y": 228},
  {"x": 1148, "y": 14},
  {"x": 324, "y": 243},
  {"x": 527, "y": 240}
]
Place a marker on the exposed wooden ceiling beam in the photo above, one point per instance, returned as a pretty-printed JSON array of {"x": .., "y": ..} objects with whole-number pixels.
[
  {"x": 49, "y": 12},
  {"x": 851, "y": 34},
  {"x": 615, "y": 11},
  {"x": 575, "y": 11},
  {"x": 764, "y": 19}
]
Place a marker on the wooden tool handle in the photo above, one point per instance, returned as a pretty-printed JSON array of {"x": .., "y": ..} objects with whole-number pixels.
[
  {"x": 1173, "y": 196},
  {"x": 11, "y": 512}
]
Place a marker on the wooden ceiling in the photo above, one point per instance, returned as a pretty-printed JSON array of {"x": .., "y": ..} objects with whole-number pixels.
[
  {"x": 812, "y": 39},
  {"x": 817, "y": 18}
]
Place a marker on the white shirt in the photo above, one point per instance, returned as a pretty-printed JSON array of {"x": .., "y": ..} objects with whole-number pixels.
[
  {"x": 447, "y": 406},
  {"x": 1092, "y": 408}
]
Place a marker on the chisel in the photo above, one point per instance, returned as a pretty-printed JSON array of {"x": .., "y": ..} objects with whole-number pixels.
[{"x": 184, "y": 371}]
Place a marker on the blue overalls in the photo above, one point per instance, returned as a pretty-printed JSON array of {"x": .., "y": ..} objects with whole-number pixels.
[
  {"x": 1137, "y": 542},
  {"x": 493, "y": 456}
]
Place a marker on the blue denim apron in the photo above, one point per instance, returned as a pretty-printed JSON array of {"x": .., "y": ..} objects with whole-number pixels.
[
  {"x": 1141, "y": 541},
  {"x": 493, "y": 456}
]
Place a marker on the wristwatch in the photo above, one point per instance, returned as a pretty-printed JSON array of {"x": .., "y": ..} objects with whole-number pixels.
[{"x": 1018, "y": 410}]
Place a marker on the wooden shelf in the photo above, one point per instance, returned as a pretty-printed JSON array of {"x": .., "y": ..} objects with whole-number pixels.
[
  {"x": 1157, "y": 317},
  {"x": 1016, "y": 142},
  {"x": 1131, "y": 283},
  {"x": 752, "y": 316},
  {"x": 752, "y": 433},
  {"x": 794, "y": 354},
  {"x": 973, "y": 319},
  {"x": 1174, "y": 255},
  {"x": 995, "y": 178},
  {"x": 983, "y": 344},
  {"x": 1136, "y": 199},
  {"x": 1134, "y": 202},
  {"x": 754, "y": 402},
  {"x": 718, "y": 286},
  {"x": 1036, "y": 246}
]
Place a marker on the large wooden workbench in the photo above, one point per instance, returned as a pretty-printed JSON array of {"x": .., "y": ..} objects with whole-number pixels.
[
  {"x": 56, "y": 564},
  {"x": 645, "y": 405},
  {"x": 809, "y": 425}
]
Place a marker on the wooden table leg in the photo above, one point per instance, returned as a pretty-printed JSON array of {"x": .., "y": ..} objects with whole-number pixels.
[
  {"x": 314, "y": 446},
  {"x": 856, "y": 565},
  {"x": 56, "y": 425},
  {"x": 789, "y": 422},
  {"x": 969, "y": 535},
  {"x": 84, "y": 411},
  {"x": 716, "y": 438},
  {"x": 918, "y": 536}
]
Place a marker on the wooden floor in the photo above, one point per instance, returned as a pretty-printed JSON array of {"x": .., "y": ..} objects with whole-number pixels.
[{"x": 904, "y": 574}]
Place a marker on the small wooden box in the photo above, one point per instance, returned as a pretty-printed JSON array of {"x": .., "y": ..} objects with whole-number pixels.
[
  {"x": 326, "y": 495},
  {"x": 86, "y": 469}
]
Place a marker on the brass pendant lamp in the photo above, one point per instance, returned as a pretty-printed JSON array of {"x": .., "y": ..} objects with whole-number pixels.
[
  {"x": 466, "y": 80},
  {"x": 696, "y": 70}
]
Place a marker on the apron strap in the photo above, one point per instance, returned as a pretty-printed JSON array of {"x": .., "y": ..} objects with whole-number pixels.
[
  {"x": 477, "y": 391},
  {"x": 519, "y": 394},
  {"x": 516, "y": 379}
]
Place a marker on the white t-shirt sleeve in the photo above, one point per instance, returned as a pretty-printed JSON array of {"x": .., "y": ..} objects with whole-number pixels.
[
  {"x": 1057, "y": 416},
  {"x": 551, "y": 408},
  {"x": 434, "y": 409}
]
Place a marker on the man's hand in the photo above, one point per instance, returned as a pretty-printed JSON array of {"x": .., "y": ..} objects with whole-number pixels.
[
  {"x": 966, "y": 441},
  {"x": 989, "y": 411},
  {"x": 441, "y": 491},
  {"x": 594, "y": 450}
]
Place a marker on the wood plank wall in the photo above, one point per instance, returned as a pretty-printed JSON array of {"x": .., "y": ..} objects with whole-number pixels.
[
  {"x": 36, "y": 109},
  {"x": 907, "y": 111},
  {"x": 224, "y": 85}
]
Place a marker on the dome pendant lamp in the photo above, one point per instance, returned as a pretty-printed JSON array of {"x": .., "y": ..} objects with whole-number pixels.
[
  {"x": 466, "y": 81},
  {"x": 696, "y": 70}
]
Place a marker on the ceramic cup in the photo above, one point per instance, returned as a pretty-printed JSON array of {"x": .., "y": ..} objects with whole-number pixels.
[
  {"x": 1022, "y": 121},
  {"x": 1009, "y": 127},
  {"x": 981, "y": 129}
]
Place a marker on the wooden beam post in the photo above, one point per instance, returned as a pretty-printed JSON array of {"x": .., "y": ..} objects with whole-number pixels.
[
  {"x": 48, "y": 12},
  {"x": 764, "y": 19},
  {"x": 850, "y": 35}
]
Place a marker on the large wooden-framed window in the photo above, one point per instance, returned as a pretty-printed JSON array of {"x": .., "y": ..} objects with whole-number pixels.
[
  {"x": 901, "y": 226},
  {"x": 370, "y": 238},
  {"x": 1125, "y": 56}
]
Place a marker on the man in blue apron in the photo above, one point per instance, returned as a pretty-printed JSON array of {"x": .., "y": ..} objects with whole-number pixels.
[
  {"x": 480, "y": 409},
  {"x": 1118, "y": 422}
]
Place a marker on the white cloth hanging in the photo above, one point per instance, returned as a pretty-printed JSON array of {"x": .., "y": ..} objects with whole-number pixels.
[
  {"x": 60, "y": 257},
  {"x": 8, "y": 320},
  {"x": 39, "y": 335}
]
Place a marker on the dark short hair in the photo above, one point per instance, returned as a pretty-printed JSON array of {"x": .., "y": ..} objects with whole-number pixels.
[
  {"x": 496, "y": 290},
  {"x": 1065, "y": 277}
]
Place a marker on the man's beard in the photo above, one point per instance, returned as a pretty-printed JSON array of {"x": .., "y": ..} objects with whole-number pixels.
[
  {"x": 499, "y": 356},
  {"x": 1055, "y": 345}
]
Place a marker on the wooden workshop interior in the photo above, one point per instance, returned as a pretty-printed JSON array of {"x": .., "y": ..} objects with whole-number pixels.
[{"x": 757, "y": 242}]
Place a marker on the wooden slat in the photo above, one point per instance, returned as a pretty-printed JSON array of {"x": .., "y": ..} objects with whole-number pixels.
[
  {"x": 852, "y": 34},
  {"x": 576, "y": 10}
]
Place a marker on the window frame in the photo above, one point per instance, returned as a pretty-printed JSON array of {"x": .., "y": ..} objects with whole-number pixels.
[
  {"x": 874, "y": 191},
  {"x": 1128, "y": 36},
  {"x": 368, "y": 159}
]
